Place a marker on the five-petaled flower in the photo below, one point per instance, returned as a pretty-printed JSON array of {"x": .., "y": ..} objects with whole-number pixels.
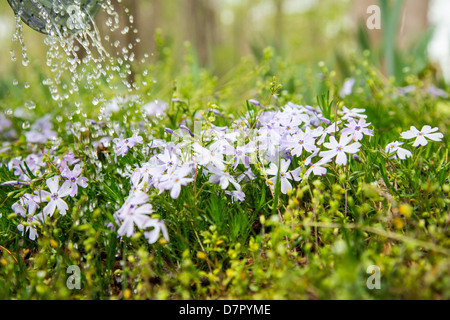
[
  {"x": 73, "y": 177},
  {"x": 339, "y": 149},
  {"x": 54, "y": 197},
  {"x": 422, "y": 135},
  {"x": 394, "y": 147}
]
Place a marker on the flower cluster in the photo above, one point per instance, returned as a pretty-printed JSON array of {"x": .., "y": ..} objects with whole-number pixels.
[
  {"x": 34, "y": 208},
  {"x": 284, "y": 147}
]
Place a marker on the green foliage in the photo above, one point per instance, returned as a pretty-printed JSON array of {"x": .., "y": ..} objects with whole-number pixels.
[{"x": 314, "y": 243}]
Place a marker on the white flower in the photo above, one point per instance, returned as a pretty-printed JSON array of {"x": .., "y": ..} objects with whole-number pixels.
[
  {"x": 158, "y": 226},
  {"x": 330, "y": 130},
  {"x": 317, "y": 168},
  {"x": 240, "y": 154},
  {"x": 400, "y": 152},
  {"x": 347, "y": 88},
  {"x": 173, "y": 180},
  {"x": 223, "y": 178},
  {"x": 54, "y": 197},
  {"x": 353, "y": 113},
  {"x": 426, "y": 132},
  {"x": 205, "y": 157},
  {"x": 236, "y": 195},
  {"x": 168, "y": 159},
  {"x": 285, "y": 175},
  {"x": 299, "y": 142},
  {"x": 339, "y": 149},
  {"x": 135, "y": 215}
]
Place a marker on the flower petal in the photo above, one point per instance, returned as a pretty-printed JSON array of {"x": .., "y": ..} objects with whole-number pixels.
[{"x": 53, "y": 184}]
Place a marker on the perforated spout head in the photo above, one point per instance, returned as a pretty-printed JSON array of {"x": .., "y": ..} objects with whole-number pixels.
[{"x": 61, "y": 16}]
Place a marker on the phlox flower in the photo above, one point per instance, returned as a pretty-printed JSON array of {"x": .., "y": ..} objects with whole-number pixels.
[
  {"x": 73, "y": 177},
  {"x": 205, "y": 157},
  {"x": 223, "y": 178},
  {"x": 135, "y": 215},
  {"x": 121, "y": 145},
  {"x": 134, "y": 199},
  {"x": 317, "y": 168},
  {"x": 41, "y": 131},
  {"x": 54, "y": 197},
  {"x": 353, "y": 113},
  {"x": 68, "y": 159},
  {"x": 299, "y": 142},
  {"x": 357, "y": 130},
  {"x": 236, "y": 195},
  {"x": 173, "y": 180},
  {"x": 158, "y": 227},
  {"x": 223, "y": 140},
  {"x": 240, "y": 154},
  {"x": 168, "y": 159},
  {"x": 420, "y": 136},
  {"x": 26, "y": 205},
  {"x": 339, "y": 149},
  {"x": 400, "y": 152},
  {"x": 347, "y": 88},
  {"x": 32, "y": 161},
  {"x": 328, "y": 131},
  {"x": 148, "y": 174},
  {"x": 30, "y": 226},
  {"x": 284, "y": 174}
]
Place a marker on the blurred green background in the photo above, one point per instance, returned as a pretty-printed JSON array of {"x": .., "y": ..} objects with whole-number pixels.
[{"x": 222, "y": 32}]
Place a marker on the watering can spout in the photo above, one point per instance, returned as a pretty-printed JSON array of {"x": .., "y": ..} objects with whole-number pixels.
[{"x": 62, "y": 16}]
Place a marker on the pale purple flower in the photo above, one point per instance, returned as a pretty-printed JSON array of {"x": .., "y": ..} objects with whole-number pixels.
[
  {"x": 255, "y": 102},
  {"x": 247, "y": 175},
  {"x": 26, "y": 205},
  {"x": 299, "y": 142},
  {"x": 154, "y": 108},
  {"x": 148, "y": 174},
  {"x": 74, "y": 179},
  {"x": 347, "y": 88},
  {"x": 317, "y": 168},
  {"x": 134, "y": 199},
  {"x": 31, "y": 223},
  {"x": 241, "y": 154},
  {"x": 5, "y": 123},
  {"x": 169, "y": 159},
  {"x": 436, "y": 92},
  {"x": 122, "y": 145},
  {"x": 331, "y": 130},
  {"x": 340, "y": 149},
  {"x": 269, "y": 137},
  {"x": 175, "y": 179},
  {"x": 357, "y": 130},
  {"x": 32, "y": 161},
  {"x": 68, "y": 159},
  {"x": 223, "y": 140},
  {"x": 223, "y": 178},
  {"x": 422, "y": 135},
  {"x": 41, "y": 131}
]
